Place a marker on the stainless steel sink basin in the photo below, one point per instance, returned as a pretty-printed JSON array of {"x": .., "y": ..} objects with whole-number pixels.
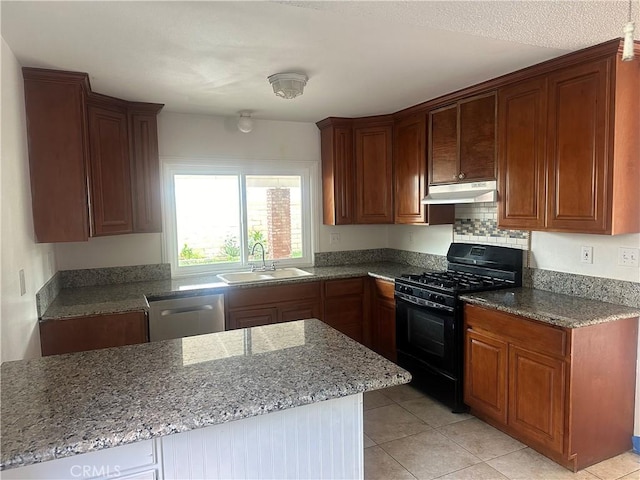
[{"x": 246, "y": 277}]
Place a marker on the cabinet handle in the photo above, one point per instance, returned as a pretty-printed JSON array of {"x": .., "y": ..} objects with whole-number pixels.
[
  {"x": 461, "y": 176},
  {"x": 173, "y": 311}
]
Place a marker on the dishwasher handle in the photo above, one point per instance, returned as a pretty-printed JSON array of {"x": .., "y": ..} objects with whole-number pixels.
[{"x": 172, "y": 311}]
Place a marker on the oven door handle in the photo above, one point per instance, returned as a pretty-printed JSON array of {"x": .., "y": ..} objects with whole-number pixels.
[{"x": 419, "y": 302}]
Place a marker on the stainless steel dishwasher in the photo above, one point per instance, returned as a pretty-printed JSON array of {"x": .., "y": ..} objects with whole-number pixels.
[{"x": 185, "y": 316}]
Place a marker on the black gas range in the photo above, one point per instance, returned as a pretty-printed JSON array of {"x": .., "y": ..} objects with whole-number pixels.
[{"x": 429, "y": 321}]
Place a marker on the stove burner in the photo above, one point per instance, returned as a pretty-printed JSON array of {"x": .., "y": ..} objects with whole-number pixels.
[{"x": 455, "y": 281}]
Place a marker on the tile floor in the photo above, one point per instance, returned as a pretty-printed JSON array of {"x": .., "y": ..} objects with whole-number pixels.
[{"x": 409, "y": 436}]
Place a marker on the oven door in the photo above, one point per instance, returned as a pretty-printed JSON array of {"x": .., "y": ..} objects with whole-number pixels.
[{"x": 426, "y": 334}]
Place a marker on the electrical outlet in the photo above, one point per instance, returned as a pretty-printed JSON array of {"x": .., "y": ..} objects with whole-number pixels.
[
  {"x": 586, "y": 255},
  {"x": 23, "y": 285},
  {"x": 334, "y": 238},
  {"x": 411, "y": 238},
  {"x": 628, "y": 256}
]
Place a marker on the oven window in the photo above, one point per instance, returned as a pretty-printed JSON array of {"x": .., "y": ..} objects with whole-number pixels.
[{"x": 426, "y": 332}]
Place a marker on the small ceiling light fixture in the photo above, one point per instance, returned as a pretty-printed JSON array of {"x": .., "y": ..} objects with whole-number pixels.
[
  {"x": 245, "y": 124},
  {"x": 288, "y": 85},
  {"x": 627, "y": 49}
]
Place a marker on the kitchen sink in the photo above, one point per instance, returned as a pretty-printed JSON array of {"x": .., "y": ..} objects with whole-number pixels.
[{"x": 245, "y": 277}]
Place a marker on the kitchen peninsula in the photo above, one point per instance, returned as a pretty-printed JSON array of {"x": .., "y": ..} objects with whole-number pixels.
[{"x": 195, "y": 407}]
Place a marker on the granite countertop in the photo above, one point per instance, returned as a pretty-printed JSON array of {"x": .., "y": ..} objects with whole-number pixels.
[
  {"x": 63, "y": 405},
  {"x": 127, "y": 297},
  {"x": 553, "y": 308}
]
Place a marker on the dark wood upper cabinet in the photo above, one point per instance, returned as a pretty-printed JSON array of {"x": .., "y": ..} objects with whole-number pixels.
[
  {"x": 579, "y": 110},
  {"x": 410, "y": 175},
  {"x": 58, "y": 143},
  {"x": 443, "y": 144},
  {"x": 462, "y": 140},
  {"x": 477, "y": 121},
  {"x": 145, "y": 167},
  {"x": 93, "y": 159},
  {"x": 568, "y": 147},
  {"x": 374, "y": 173},
  {"x": 110, "y": 174},
  {"x": 338, "y": 172},
  {"x": 357, "y": 170},
  {"x": 410, "y": 165},
  {"x": 522, "y": 111}
]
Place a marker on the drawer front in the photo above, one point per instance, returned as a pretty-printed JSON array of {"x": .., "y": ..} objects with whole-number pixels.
[
  {"x": 254, "y": 317},
  {"x": 518, "y": 330},
  {"x": 269, "y": 295},
  {"x": 343, "y": 287},
  {"x": 298, "y": 311}
]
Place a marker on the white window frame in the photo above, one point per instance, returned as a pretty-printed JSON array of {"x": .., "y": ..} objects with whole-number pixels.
[{"x": 241, "y": 168}]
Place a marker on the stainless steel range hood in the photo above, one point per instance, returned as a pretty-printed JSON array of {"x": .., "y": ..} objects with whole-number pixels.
[{"x": 472, "y": 192}]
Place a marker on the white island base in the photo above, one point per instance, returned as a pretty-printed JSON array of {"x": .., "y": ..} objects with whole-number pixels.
[{"x": 319, "y": 440}]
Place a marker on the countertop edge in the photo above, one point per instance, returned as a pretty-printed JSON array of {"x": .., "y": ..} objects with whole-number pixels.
[
  {"x": 94, "y": 445},
  {"x": 556, "y": 320}
]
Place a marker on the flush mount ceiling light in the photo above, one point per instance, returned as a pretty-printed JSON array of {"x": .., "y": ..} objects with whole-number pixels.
[
  {"x": 627, "y": 49},
  {"x": 245, "y": 124},
  {"x": 288, "y": 85}
]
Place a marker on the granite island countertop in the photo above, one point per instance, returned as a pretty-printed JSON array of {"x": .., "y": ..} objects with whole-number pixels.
[
  {"x": 127, "y": 297},
  {"x": 58, "y": 406},
  {"x": 553, "y": 308}
]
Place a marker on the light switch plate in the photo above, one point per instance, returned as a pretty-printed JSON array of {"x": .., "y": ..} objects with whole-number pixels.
[
  {"x": 586, "y": 255},
  {"x": 628, "y": 256}
]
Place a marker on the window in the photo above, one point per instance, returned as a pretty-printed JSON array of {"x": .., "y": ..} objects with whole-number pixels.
[{"x": 221, "y": 218}]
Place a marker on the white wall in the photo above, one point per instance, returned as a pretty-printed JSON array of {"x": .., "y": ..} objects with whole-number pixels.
[
  {"x": 421, "y": 238},
  {"x": 114, "y": 251},
  {"x": 18, "y": 316},
  {"x": 561, "y": 252}
]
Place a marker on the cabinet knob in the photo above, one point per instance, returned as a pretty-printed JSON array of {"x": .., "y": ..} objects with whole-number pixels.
[{"x": 461, "y": 175}]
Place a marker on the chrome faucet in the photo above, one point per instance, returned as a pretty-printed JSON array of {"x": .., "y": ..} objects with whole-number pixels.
[{"x": 264, "y": 265}]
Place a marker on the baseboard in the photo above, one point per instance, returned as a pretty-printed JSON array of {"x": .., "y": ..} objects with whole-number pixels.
[{"x": 636, "y": 444}]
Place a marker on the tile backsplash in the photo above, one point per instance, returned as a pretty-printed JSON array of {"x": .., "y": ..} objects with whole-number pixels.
[{"x": 478, "y": 223}]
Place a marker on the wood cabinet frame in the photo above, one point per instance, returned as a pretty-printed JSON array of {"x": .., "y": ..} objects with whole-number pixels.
[
  {"x": 555, "y": 379},
  {"x": 93, "y": 159}
]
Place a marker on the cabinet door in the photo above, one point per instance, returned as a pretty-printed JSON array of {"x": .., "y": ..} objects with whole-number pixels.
[
  {"x": 384, "y": 319},
  {"x": 110, "y": 172},
  {"x": 443, "y": 145},
  {"x": 477, "y": 130},
  {"x": 56, "y": 131},
  {"x": 485, "y": 379},
  {"x": 89, "y": 333},
  {"x": 374, "y": 175},
  {"x": 338, "y": 175},
  {"x": 145, "y": 173},
  {"x": 299, "y": 311},
  {"x": 345, "y": 314},
  {"x": 410, "y": 169},
  {"x": 522, "y": 120},
  {"x": 536, "y": 396},
  {"x": 254, "y": 317},
  {"x": 579, "y": 112}
]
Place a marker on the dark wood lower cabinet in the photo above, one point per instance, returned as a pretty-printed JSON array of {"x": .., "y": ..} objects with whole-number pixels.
[
  {"x": 256, "y": 306},
  {"x": 486, "y": 375},
  {"x": 80, "y": 334},
  {"x": 344, "y": 306},
  {"x": 252, "y": 317},
  {"x": 567, "y": 393},
  {"x": 383, "y": 318}
]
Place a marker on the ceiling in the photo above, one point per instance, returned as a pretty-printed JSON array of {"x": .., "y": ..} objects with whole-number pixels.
[{"x": 362, "y": 58}]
